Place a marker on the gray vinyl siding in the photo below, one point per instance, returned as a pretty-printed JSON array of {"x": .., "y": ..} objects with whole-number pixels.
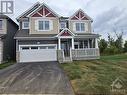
[{"x": 9, "y": 42}]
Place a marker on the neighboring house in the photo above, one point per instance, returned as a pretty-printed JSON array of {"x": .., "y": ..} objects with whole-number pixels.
[
  {"x": 8, "y": 28},
  {"x": 45, "y": 36}
]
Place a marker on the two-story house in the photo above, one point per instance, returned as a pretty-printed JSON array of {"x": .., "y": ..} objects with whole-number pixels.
[
  {"x": 46, "y": 36},
  {"x": 8, "y": 28}
]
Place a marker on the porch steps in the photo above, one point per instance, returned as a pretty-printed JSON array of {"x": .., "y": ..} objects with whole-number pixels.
[{"x": 68, "y": 59}]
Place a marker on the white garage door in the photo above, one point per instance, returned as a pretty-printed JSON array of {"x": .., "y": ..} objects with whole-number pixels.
[{"x": 38, "y": 53}]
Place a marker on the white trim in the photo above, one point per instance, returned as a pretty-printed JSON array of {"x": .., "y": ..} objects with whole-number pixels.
[
  {"x": 65, "y": 36},
  {"x": 72, "y": 43},
  {"x": 48, "y": 14},
  {"x": 37, "y": 45},
  {"x": 59, "y": 44},
  {"x": 88, "y": 43},
  {"x": 43, "y": 10},
  {"x": 39, "y": 14},
  {"x": 23, "y": 24},
  {"x": 96, "y": 43}
]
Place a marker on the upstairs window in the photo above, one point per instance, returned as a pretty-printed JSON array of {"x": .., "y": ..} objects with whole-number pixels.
[
  {"x": 80, "y": 27},
  {"x": 1, "y": 24},
  {"x": 25, "y": 24},
  {"x": 44, "y": 25},
  {"x": 63, "y": 25}
]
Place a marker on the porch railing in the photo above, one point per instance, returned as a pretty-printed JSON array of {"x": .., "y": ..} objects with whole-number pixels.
[
  {"x": 80, "y": 54},
  {"x": 85, "y": 53}
]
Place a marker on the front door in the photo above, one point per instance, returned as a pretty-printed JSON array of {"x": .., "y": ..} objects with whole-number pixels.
[{"x": 66, "y": 45}]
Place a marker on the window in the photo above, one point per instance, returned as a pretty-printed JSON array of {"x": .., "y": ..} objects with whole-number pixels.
[
  {"x": 43, "y": 47},
  {"x": 81, "y": 44},
  {"x": 62, "y": 25},
  {"x": 1, "y": 24},
  {"x": 34, "y": 47},
  {"x": 85, "y": 44},
  {"x": 25, "y": 25},
  {"x": 76, "y": 45},
  {"x": 44, "y": 25},
  {"x": 51, "y": 47},
  {"x": 80, "y": 27},
  {"x": 25, "y": 48}
]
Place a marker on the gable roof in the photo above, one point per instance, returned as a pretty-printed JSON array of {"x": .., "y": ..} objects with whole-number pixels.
[
  {"x": 36, "y": 5},
  {"x": 80, "y": 15},
  {"x": 43, "y": 5},
  {"x": 65, "y": 31}
]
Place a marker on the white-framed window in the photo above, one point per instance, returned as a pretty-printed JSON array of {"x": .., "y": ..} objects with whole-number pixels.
[
  {"x": 44, "y": 25},
  {"x": 80, "y": 27},
  {"x": 63, "y": 25},
  {"x": 81, "y": 44},
  {"x": 1, "y": 24},
  {"x": 25, "y": 24}
]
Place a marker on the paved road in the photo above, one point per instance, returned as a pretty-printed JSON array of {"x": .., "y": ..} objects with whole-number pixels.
[{"x": 34, "y": 78}]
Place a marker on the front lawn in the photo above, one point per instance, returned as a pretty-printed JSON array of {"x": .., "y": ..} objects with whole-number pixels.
[
  {"x": 4, "y": 65},
  {"x": 97, "y": 76}
]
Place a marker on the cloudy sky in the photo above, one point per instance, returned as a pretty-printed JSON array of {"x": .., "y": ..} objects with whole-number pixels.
[{"x": 108, "y": 15}]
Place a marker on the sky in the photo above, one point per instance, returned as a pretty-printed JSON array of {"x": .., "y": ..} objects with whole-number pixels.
[{"x": 108, "y": 15}]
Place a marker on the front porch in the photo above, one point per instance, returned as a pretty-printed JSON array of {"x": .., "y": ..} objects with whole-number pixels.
[
  {"x": 77, "y": 46},
  {"x": 71, "y": 48}
]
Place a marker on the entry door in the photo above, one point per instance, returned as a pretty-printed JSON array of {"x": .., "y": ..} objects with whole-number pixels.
[{"x": 66, "y": 47}]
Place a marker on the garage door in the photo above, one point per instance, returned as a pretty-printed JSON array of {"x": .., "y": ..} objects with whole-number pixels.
[{"x": 38, "y": 53}]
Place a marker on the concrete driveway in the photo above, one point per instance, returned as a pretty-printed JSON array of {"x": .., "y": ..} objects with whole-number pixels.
[{"x": 34, "y": 78}]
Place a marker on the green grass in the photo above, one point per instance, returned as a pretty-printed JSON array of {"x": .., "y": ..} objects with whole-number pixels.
[
  {"x": 96, "y": 76},
  {"x": 4, "y": 65}
]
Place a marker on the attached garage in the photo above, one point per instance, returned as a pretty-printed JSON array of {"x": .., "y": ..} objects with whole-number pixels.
[{"x": 38, "y": 53}]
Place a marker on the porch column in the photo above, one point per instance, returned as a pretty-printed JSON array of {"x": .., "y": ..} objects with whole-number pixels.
[
  {"x": 88, "y": 43},
  {"x": 96, "y": 43},
  {"x": 72, "y": 43},
  {"x": 59, "y": 43},
  {"x": 92, "y": 43}
]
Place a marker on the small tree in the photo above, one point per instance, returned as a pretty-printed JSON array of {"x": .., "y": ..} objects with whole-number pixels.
[
  {"x": 119, "y": 42},
  {"x": 102, "y": 45},
  {"x": 125, "y": 46},
  {"x": 111, "y": 41}
]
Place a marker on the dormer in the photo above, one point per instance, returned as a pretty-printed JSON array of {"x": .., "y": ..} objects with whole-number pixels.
[{"x": 80, "y": 22}]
